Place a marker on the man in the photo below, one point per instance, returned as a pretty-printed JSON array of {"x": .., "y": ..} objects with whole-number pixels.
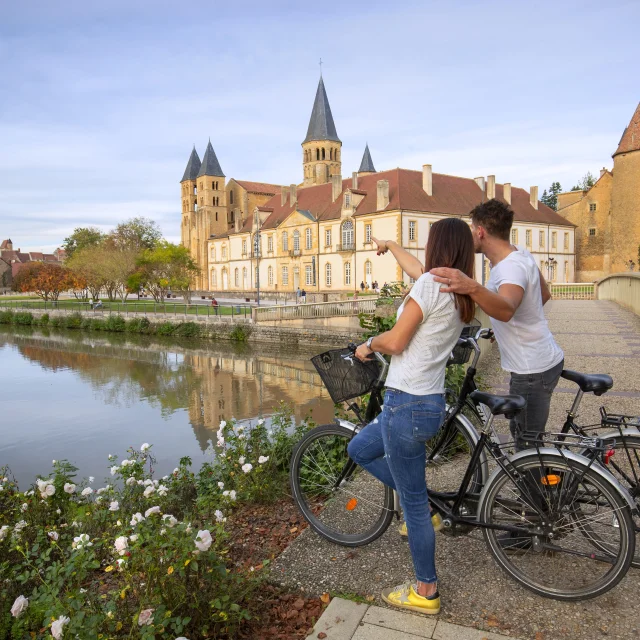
[
  {"x": 303, "y": 296},
  {"x": 513, "y": 298}
]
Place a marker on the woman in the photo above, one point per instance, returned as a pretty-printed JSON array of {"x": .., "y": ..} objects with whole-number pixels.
[{"x": 392, "y": 447}]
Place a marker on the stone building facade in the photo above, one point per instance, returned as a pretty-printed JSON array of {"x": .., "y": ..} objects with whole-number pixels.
[
  {"x": 607, "y": 215},
  {"x": 317, "y": 235}
]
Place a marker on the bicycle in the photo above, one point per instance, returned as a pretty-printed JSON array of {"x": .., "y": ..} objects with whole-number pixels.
[{"x": 571, "y": 517}]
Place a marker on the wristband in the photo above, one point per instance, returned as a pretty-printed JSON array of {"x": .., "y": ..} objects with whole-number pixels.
[{"x": 369, "y": 341}]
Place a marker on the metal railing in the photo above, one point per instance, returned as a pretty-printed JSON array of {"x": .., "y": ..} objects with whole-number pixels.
[
  {"x": 346, "y": 246},
  {"x": 572, "y": 290},
  {"x": 623, "y": 288},
  {"x": 233, "y": 312},
  {"x": 317, "y": 310}
]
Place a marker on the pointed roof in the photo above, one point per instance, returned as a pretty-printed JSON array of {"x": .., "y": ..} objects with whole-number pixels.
[
  {"x": 321, "y": 125},
  {"x": 193, "y": 166},
  {"x": 630, "y": 140},
  {"x": 210, "y": 165},
  {"x": 367, "y": 162}
]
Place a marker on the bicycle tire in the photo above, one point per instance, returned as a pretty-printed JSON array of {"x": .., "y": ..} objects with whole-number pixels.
[
  {"x": 566, "y": 466},
  {"x": 332, "y": 513},
  {"x": 631, "y": 481}
]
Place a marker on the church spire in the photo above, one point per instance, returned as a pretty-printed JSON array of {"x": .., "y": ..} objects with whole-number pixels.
[
  {"x": 366, "y": 166},
  {"x": 321, "y": 125},
  {"x": 210, "y": 165},
  {"x": 193, "y": 166},
  {"x": 630, "y": 140}
]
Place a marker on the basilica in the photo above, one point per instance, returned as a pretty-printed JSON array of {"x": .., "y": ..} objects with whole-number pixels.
[{"x": 316, "y": 233}]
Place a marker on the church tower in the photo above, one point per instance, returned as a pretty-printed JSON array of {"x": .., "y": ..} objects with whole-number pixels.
[
  {"x": 624, "y": 235},
  {"x": 321, "y": 148},
  {"x": 366, "y": 166},
  {"x": 189, "y": 198}
]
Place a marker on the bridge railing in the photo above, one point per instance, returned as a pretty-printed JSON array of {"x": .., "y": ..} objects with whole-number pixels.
[
  {"x": 316, "y": 310},
  {"x": 572, "y": 290},
  {"x": 623, "y": 288}
]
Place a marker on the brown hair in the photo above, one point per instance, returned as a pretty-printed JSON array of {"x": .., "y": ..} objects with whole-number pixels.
[
  {"x": 495, "y": 216},
  {"x": 450, "y": 245}
]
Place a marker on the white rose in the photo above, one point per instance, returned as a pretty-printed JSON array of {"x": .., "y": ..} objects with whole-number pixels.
[
  {"x": 151, "y": 511},
  {"x": 114, "y": 469},
  {"x": 53, "y": 462},
  {"x": 101, "y": 490},
  {"x": 162, "y": 532},
  {"x": 145, "y": 617},
  {"x": 91, "y": 478},
  {"x": 20, "y": 526},
  {"x": 241, "y": 459},
  {"x": 144, "y": 446},
  {"x": 57, "y": 627},
  {"x": 114, "y": 506},
  {"x": 176, "y": 470},
  {"x": 3, "y": 532},
  {"x": 203, "y": 540},
  {"x": 81, "y": 541},
  {"x": 58, "y": 511},
  {"x": 169, "y": 520},
  {"x": 221, "y": 485},
  {"x": 121, "y": 544},
  {"x": 223, "y": 424},
  {"x": 133, "y": 537},
  {"x": 220, "y": 441},
  {"x": 140, "y": 483},
  {"x": 149, "y": 490},
  {"x": 137, "y": 517},
  {"x": 247, "y": 467},
  {"x": 121, "y": 562},
  {"x": 21, "y": 603},
  {"x": 232, "y": 494},
  {"x": 263, "y": 459},
  {"x": 53, "y": 535},
  {"x": 260, "y": 422},
  {"x": 130, "y": 481},
  {"x": 49, "y": 490},
  {"x": 148, "y": 482},
  {"x": 87, "y": 492},
  {"x": 219, "y": 516},
  {"x": 24, "y": 507},
  {"x": 69, "y": 487}
]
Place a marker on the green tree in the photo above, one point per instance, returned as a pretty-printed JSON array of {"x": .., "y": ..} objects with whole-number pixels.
[
  {"x": 82, "y": 237},
  {"x": 550, "y": 198},
  {"x": 586, "y": 182},
  {"x": 138, "y": 233},
  {"x": 167, "y": 267}
]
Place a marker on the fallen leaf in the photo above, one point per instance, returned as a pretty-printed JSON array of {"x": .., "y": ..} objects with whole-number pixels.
[
  {"x": 370, "y": 598},
  {"x": 325, "y": 597},
  {"x": 293, "y": 529},
  {"x": 539, "y": 636},
  {"x": 298, "y": 604},
  {"x": 492, "y": 621},
  {"x": 322, "y": 635}
]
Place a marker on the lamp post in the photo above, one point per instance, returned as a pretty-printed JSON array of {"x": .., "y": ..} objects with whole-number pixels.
[{"x": 256, "y": 248}]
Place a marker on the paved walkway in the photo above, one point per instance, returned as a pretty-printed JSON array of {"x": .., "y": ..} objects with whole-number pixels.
[{"x": 598, "y": 337}]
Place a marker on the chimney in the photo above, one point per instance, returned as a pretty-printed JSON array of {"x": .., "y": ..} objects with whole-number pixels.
[
  {"x": 533, "y": 197},
  {"x": 427, "y": 179},
  {"x": 480, "y": 182},
  {"x": 506, "y": 191},
  {"x": 283, "y": 195},
  {"x": 491, "y": 187},
  {"x": 354, "y": 180},
  {"x": 336, "y": 187},
  {"x": 238, "y": 223},
  {"x": 383, "y": 194},
  {"x": 294, "y": 195},
  {"x": 603, "y": 171}
]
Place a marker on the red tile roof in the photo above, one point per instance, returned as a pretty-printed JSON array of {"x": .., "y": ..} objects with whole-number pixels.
[
  {"x": 452, "y": 195},
  {"x": 36, "y": 255},
  {"x": 259, "y": 187},
  {"x": 8, "y": 256},
  {"x": 630, "y": 140}
]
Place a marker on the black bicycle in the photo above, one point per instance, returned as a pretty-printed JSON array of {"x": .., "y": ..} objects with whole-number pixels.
[{"x": 568, "y": 518}]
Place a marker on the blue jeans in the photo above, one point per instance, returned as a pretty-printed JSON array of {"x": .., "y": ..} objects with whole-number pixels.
[{"x": 392, "y": 448}]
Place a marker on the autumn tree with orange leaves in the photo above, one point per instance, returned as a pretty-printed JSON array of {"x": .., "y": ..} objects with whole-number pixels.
[{"x": 46, "y": 279}]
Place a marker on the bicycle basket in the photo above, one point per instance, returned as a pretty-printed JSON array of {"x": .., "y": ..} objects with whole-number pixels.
[
  {"x": 344, "y": 376},
  {"x": 461, "y": 355}
]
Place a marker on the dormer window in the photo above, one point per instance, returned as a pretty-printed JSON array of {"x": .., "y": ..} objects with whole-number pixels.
[{"x": 347, "y": 200}]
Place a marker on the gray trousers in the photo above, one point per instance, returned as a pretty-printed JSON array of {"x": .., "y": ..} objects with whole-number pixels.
[{"x": 536, "y": 389}]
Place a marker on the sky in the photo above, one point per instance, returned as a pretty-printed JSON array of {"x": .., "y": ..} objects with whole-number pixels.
[{"x": 101, "y": 103}]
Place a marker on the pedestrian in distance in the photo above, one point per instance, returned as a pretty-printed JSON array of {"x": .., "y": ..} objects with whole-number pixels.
[
  {"x": 303, "y": 296},
  {"x": 362, "y": 286}
]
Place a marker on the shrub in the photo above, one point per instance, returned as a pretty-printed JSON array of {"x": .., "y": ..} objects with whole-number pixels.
[
  {"x": 6, "y": 317},
  {"x": 188, "y": 330},
  {"x": 240, "y": 333},
  {"x": 23, "y": 317},
  {"x": 98, "y": 324},
  {"x": 57, "y": 321},
  {"x": 86, "y": 323},
  {"x": 138, "y": 325},
  {"x": 115, "y": 323},
  {"x": 73, "y": 321},
  {"x": 44, "y": 319},
  {"x": 165, "y": 329}
]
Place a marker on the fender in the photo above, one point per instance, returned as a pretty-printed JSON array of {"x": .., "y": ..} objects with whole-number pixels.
[
  {"x": 569, "y": 455},
  {"x": 348, "y": 425},
  {"x": 630, "y": 431}
]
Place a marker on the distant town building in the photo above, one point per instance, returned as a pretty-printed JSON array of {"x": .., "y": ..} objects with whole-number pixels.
[
  {"x": 608, "y": 214},
  {"x": 317, "y": 235},
  {"x": 12, "y": 260}
]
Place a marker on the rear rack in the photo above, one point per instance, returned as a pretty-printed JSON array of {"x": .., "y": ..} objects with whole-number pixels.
[
  {"x": 536, "y": 440},
  {"x": 619, "y": 420}
]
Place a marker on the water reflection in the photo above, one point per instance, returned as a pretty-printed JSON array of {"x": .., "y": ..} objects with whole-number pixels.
[{"x": 91, "y": 388}]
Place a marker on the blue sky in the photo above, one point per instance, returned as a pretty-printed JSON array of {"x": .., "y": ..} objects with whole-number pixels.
[{"x": 101, "y": 102}]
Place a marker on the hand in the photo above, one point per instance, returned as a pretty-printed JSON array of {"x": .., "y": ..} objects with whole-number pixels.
[
  {"x": 381, "y": 246},
  {"x": 456, "y": 281},
  {"x": 363, "y": 352}
]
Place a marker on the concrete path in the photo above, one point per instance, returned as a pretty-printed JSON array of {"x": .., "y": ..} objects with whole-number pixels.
[{"x": 598, "y": 337}]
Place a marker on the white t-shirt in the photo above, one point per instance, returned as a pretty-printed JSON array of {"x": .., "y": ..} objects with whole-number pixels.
[
  {"x": 419, "y": 369},
  {"x": 525, "y": 342}
]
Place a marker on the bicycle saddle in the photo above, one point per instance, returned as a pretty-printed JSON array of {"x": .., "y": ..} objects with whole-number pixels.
[
  {"x": 599, "y": 383},
  {"x": 508, "y": 406}
]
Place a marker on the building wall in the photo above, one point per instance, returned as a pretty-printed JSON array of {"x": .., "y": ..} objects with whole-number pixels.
[
  {"x": 592, "y": 243},
  {"x": 319, "y": 171}
]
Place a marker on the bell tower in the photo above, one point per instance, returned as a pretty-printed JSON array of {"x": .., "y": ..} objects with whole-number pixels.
[
  {"x": 189, "y": 197},
  {"x": 321, "y": 148}
]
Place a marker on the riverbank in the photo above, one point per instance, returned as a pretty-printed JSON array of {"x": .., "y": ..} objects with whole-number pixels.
[{"x": 208, "y": 328}]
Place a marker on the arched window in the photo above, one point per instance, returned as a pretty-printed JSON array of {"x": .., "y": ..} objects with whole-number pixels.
[
  {"x": 327, "y": 273},
  {"x": 224, "y": 252},
  {"x": 245, "y": 284},
  {"x": 367, "y": 272},
  {"x": 296, "y": 240},
  {"x": 323, "y": 153},
  {"x": 317, "y": 154},
  {"x": 285, "y": 241},
  {"x": 230, "y": 197},
  {"x": 270, "y": 244},
  {"x": 347, "y": 234},
  {"x": 213, "y": 253},
  {"x": 347, "y": 273},
  {"x": 270, "y": 276},
  {"x": 214, "y": 279},
  {"x": 285, "y": 275},
  {"x": 308, "y": 239},
  {"x": 225, "y": 279},
  {"x": 216, "y": 216},
  {"x": 236, "y": 277},
  {"x": 201, "y": 201}
]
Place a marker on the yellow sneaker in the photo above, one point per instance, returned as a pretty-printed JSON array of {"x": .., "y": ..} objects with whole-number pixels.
[
  {"x": 436, "y": 521},
  {"x": 404, "y": 596}
]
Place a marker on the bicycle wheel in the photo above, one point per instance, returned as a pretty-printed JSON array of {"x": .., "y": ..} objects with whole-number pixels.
[
  {"x": 353, "y": 513},
  {"x": 584, "y": 544},
  {"x": 625, "y": 466}
]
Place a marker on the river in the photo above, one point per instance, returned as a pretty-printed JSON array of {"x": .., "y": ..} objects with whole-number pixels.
[{"x": 81, "y": 396}]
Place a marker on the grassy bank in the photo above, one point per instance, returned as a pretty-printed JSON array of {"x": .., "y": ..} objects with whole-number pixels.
[{"x": 119, "y": 324}]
